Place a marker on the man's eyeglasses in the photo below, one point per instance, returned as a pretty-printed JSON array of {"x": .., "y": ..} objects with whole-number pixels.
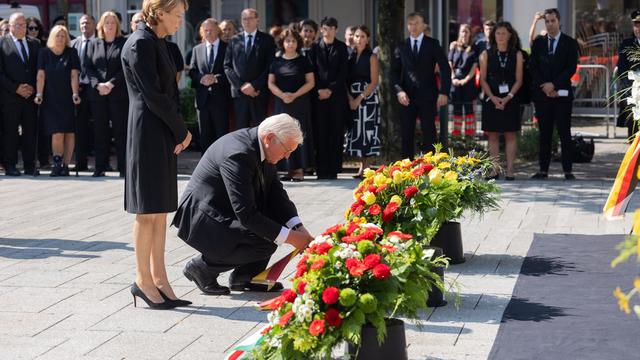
[{"x": 287, "y": 151}]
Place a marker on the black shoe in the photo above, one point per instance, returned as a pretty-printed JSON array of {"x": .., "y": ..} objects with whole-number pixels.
[
  {"x": 81, "y": 167},
  {"x": 108, "y": 168},
  {"x": 249, "y": 286},
  {"x": 569, "y": 176},
  {"x": 509, "y": 178},
  {"x": 207, "y": 283},
  {"x": 293, "y": 179},
  {"x": 31, "y": 171},
  {"x": 11, "y": 171},
  {"x": 137, "y": 292},
  {"x": 327, "y": 176},
  {"x": 64, "y": 171},
  {"x": 285, "y": 178},
  {"x": 176, "y": 302},
  {"x": 98, "y": 173},
  {"x": 540, "y": 175}
]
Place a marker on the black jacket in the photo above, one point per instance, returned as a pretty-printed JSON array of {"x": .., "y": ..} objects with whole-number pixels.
[
  {"x": 106, "y": 66},
  {"x": 625, "y": 64},
  {"x": 253, "y": 68},
  {"x": 330, "y": 67},
  {"x": 417, "y": 77},
  {"x": 557, "y": 68},
  {"x": 84, "y": 61},
  {"x": 13, "y": 70},
  {"x": 229, "y": 193},
  {"x": 199, "y": 67}
]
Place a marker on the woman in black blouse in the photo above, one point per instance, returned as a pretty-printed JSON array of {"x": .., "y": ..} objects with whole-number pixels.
[
  {"x": 463, "y": 62},
  {"x": 290, "y": 80},
  {"x": 109, "y": 102}
]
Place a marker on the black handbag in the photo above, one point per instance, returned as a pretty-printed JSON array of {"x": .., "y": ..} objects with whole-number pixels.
[{"x": 583, "y": 151}]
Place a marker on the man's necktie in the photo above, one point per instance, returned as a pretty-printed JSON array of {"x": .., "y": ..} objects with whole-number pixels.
[
  {"x": 210, "y": 61},
  {"x": 415, "y": 48},
  {"x": 551, "y": 42},
  {"x": 23, "y": 51},
  {"x": 249, "y": 45}
]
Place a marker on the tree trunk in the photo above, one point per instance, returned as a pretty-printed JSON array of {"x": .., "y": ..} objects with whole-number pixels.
[{"x": 390, "y": 34}]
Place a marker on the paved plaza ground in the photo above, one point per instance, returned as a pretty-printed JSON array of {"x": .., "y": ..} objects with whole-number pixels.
[{"x": 66, "y": 264}]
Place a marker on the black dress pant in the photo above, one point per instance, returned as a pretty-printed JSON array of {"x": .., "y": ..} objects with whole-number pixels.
[
  {"x": 104, "y": 110},
  {"x": 425, "y": 110},
  {"x": 213, "y": 121},
  {"x": 21, "y": 113},
  {"x": 550, "y": 113},
  {"x": 250, "y": 111},
  {"x": 44, "y": 143},
  {"x": 330, "y": 115},
  {"x": 82, "y": 126}
]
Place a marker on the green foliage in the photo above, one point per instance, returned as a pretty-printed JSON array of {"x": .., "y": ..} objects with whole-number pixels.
[{"x": 187, "y": 105}]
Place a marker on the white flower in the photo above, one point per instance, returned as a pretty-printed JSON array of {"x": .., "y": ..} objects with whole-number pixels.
[{"x": 338, "y": 265}]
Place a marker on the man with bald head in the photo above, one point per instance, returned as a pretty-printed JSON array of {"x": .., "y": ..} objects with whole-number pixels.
[
  {"x": 18, "y": 62},
  {"x": 246, "y": 65}
]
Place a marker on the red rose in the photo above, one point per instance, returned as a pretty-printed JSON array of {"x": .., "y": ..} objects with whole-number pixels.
[
  {"x": 284, "y": 319},
  {"x": 332, "y": 316},
  {"x": 367, "y": 235},
  {"x": 401, "y": 235},
  {"x": 330, "y": 295},
  {"x": 318, "y": 264},
  {"x": 316, "y": 328},
  {"x": 427, "y": 167},
  {"x": 301, "y": 286},
  {"x": 332, "y": 229},
  {"x": 410, "y": 191},
  {"x": 289, "y": 295},
  {"x": 357, "y": 203},
  {"x": 391, "y": 207},
  {"x": 323, "y": 248},
  {"x": 358, "y": 269},
  {"x": 303, "y": 260},
  {"x": 352, "y": 227},
  {"x": 300, "y": 270},
  {"x": 375, "y": 209},
  {"x": 381, "y": 271},
  {"x": 389, "y": 248},
  {"x": 351, "y": 262},
  {"x": 357, "y": 211},
  {"x": 417, "y": 172},
  {"x": 349, "y": 239},
  {"x": 371, "y": 260},
  {"x": 380, "y": 188},
  {"x": 371, "y": 189}
]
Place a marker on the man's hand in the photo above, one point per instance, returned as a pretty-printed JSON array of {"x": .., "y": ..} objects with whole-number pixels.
[
  {"x": 208, "y": 80},
  {"x": 24, "y": 90},
  {"x": 299, "y": 239},
  {"x": 324, "y": 94},
  {"x": 104, "y": 88},
  {"x": 403, "y": 98},
  {"x": 547, "y": 88},
  {"x": 442, "y": 100},
  {"x": 248, "y": 90}
]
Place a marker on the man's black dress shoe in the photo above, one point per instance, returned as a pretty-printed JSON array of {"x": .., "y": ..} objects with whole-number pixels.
[
  {"x": 80, "y": 167},
  {"x": 569, "y": 176},
  {"x": 509, "y": 178},
  {"x": 11, "y": 171},
  {"x": 207, "y": 283},
  {"x": 249, "y": 286},
  {"x": 98, "y": 173},
  {"x": 31, "y": 171},
  {"x": 540, "y": 176}
]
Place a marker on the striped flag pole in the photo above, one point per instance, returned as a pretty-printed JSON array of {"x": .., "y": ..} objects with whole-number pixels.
[
  {"x": 271, "y": 274},
  {"x": 625, "y": 182}
]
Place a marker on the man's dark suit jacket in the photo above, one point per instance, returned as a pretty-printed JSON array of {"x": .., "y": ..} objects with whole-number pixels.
[
  {"x": 199, "y": 68},
  {"x": 331, "y": 68},
  {"x": 416, "y": 76},
  {"x": 13, "y": 70},
  {"x": 557, "y": 68},
  {"x": 106, "y": 66},
  {"x": 225, "y": 199},
  {"x": 77, "y": 44},
  {"x": 254, "y": 68}
]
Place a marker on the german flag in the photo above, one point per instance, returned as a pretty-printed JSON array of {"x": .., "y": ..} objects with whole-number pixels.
[
  {"x": 271, "y": 274},
  {"x": 625, "y": 182}
]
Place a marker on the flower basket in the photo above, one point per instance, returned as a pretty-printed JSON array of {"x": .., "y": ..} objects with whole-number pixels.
[
  {"x": 449, "y": 238},
  {"x": 394, "y": 345}
]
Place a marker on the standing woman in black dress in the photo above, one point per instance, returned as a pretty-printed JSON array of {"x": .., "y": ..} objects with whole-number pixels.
[
  {"x": 362, "y": 81},
  {"x": 290, "y": 80},
  {"x": 463, "y": 63},
  {"x": 109, "y": 102},
  {"x": 57, "y": 86},
  {"x": 501, "y": 78},
  {"x": 156, "y": 134}
]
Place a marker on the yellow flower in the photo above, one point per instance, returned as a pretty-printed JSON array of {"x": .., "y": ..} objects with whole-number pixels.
[
  {"x": 440, "y": 156},
  {"x": 346, "y": 213},
  {"x": 369, "y": 173},
  {"x": 636, "y": 283},
  {"x": 406, "y": 163},
  {"x": 460, "y": 161},
  {"x": 396, "y": 199},
  {"x": 379, "y": 179},
  {"x": 369, "y": 198},
  {"x": 472, "y": 160},
  {"x": 623, "y": 301},
  {"x": 435, "y": 176},
  {"x": 451, "y": 176},
  {"x": 444, "y": 165},
  {"x": 397, "y": 177}
]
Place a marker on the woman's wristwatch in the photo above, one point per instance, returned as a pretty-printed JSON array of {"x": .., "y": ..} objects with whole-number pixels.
[{"x": 296, "y": 227}]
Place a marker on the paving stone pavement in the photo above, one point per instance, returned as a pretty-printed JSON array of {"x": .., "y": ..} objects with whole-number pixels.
[{"x": 66, "y": 263}]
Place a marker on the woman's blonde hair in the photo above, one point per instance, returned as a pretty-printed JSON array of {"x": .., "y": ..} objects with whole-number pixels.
[
  {"x": 460, "y": 43},
  {"x": 150, "y": 8},
  {"x": 103, "y": 18},
  {"x": 51, "y": 41}
]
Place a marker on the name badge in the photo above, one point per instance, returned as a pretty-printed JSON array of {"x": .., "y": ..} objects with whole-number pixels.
[
  {"x": 563, "y": 93},
  {"x": 503, "y": 88}
]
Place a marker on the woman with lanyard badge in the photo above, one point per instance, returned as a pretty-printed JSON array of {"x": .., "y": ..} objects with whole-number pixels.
[{"x": 501, "y": 78}]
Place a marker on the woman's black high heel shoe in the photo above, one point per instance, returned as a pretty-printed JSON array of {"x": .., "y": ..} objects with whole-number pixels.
[
  {"x": 176, "y": 302},
  {"x": 137, "y": 292}
]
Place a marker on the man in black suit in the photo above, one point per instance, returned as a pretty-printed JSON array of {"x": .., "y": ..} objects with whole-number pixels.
[
  {"x": 414, "y": 79},
  {"x": 234, "y": 210},
  {"x": 554, "y": 59},
  {"x": 246, "y": 65},
  {"x": 212, "y": 88},
  {"x": 329, "y": 57},
  {"x": 87, "y": 92},
  {"x": 18, "y": 63},
  {"x": 626, "y": 64}
]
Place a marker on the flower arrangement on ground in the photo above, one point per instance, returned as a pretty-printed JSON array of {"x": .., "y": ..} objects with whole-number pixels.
[
  {"x": 417, "y": 196},
  {"x": 352, "y": 274}
]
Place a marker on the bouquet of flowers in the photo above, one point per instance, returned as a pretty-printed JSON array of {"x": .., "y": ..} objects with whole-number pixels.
[
  {"x": 417, "y": 196},
  {"x": 350, "y": 275}
]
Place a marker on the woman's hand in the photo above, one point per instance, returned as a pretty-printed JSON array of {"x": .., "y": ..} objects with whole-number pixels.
[
  {"x": 76, "y": 99},
  {"x": 38, "y": 99},
  {"x": 183, "y": 145},
  {"x": 497, "y": 102}
]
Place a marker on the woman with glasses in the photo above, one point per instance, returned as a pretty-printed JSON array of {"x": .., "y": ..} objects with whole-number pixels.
[{"x": 36, "y": 30}]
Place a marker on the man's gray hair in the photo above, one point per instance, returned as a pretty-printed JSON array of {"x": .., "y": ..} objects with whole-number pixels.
[
  {"x": 283, "y": 126},
  {"x": 15, "y": 16}
]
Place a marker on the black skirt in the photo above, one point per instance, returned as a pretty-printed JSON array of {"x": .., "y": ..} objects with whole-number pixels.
[{"x": 507, "y": 120}]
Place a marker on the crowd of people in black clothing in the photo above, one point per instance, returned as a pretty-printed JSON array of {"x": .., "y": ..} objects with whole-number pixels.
[{"x": 52, "y": 88}]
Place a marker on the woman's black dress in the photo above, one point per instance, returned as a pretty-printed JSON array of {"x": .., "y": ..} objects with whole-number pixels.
[
  {"x": 57, "y": 106},
  {"x": 507, "y": 120},
  {"x": 155, "y": 126},
  {"x": 290, "y": 76},
  {"x": 363, "y": 138}
]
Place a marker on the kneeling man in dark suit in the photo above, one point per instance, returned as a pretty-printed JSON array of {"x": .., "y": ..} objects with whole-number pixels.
[{"x": 235, "y": 211}]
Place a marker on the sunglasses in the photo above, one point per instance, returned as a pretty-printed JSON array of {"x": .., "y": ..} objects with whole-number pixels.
[{"x": 33, "y": 28}]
